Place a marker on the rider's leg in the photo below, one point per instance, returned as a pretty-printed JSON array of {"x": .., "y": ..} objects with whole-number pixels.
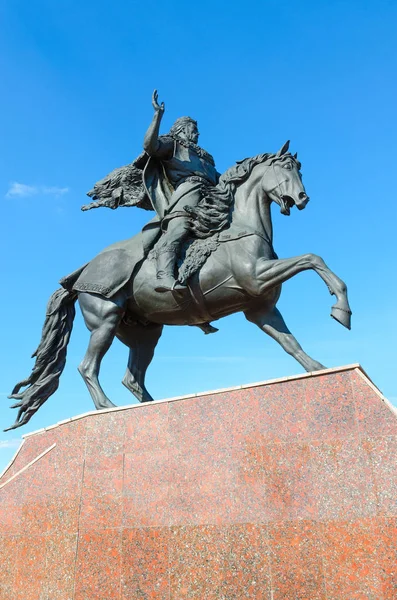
[
  {"x": 177, "y": 227},
  {"x": 272, "y": 323},
  {"x": 167, "y": 252}
]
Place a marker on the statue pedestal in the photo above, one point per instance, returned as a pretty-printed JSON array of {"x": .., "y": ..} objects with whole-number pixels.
[{"x": 280, "y": 490}]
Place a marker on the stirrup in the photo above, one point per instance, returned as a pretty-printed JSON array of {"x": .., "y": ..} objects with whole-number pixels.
[{"x": 167, "y": 287}]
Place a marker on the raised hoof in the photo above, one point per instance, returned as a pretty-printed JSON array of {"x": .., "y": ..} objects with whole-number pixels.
[{"x": 342, "y": 316}]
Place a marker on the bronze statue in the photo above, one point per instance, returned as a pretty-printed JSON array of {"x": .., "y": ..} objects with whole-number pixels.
[{"x": 208, "y": 253}]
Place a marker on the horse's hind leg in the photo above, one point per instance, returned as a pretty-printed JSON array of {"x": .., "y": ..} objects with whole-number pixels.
[
  {"x": 142, "y": 341},
  {"x": 102, "y": 318},
  {"x": 272, "y": 323}
]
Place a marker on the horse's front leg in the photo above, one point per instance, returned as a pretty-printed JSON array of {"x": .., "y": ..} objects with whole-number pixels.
[
  {"x": 272, "y": 323},
  {"x": 270, "y": 273}
]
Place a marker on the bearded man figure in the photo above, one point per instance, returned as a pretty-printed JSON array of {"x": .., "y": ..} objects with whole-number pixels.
[
  {"x": 187, "y": 171},
  {"x": 177, "y": 178}
]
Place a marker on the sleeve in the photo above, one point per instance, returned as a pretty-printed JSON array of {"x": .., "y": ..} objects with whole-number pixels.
[{"x": 166, "y": 148}]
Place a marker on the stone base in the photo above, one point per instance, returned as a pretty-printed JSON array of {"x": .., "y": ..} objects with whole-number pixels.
[{"x": 281, "y": 490}]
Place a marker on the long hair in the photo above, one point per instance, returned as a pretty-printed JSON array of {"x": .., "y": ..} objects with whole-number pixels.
[{"x": 180, "y": 124}]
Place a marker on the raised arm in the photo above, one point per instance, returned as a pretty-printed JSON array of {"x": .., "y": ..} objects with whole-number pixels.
[{"x": 151, "y": 143}]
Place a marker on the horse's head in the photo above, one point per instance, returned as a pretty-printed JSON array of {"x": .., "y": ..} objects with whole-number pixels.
[{"x": 282, "y": 181}]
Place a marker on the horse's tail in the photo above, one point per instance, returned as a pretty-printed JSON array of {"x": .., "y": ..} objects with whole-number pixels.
[{"x": 50, "y": 357}]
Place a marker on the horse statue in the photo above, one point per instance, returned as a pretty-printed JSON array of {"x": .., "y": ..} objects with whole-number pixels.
[{"x": 238, "y": 271}]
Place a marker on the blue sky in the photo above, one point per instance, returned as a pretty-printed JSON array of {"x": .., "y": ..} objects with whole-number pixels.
[{"x": 77, "y": 82}]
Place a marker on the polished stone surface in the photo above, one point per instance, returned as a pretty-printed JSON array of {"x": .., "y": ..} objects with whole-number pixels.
[{"x": 282, "y": 490}]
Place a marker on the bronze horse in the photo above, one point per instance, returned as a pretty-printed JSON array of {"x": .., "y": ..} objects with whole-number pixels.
[{"x": 241, "y": 274}]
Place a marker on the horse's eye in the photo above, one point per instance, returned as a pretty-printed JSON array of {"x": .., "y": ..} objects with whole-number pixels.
[{"x": 287, "y": 166}]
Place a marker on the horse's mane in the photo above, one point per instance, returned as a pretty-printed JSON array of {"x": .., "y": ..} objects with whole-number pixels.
[
  {"x": 213, "y": 212},
  {"x": 242, "y": 169}
]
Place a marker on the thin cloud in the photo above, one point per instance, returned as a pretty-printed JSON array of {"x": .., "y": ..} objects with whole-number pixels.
[
  {"x": 22, "y": 190},
  {"x": 54, "y": 190},
  {"x": 7, "y": 444}
]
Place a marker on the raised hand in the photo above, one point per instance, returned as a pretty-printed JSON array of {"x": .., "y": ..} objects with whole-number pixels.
[{"x": 157, "y": 107}]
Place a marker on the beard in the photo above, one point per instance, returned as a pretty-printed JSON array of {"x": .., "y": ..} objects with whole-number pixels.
[{"x": 192, "y": 138}]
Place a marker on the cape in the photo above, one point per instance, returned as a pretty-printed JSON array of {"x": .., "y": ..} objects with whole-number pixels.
[
  {"x": 142, "y": 183},
  {"x": 114, "y": 266}
]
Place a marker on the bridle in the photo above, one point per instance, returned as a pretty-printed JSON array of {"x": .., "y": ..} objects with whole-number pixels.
[{"x": 271, "y": 166}]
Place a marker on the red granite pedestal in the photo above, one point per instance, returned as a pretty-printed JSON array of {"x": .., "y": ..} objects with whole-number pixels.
[{"x": 281, "y": 490}]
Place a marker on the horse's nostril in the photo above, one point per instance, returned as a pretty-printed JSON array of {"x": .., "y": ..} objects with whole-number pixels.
[{"x": 302, "y": 195}]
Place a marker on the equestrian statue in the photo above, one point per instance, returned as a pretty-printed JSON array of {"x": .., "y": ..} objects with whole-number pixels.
[{"x": 206, "y": 254}]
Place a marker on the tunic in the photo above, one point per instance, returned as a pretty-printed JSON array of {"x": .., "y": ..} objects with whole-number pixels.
[{"x": 176, "y": 182}]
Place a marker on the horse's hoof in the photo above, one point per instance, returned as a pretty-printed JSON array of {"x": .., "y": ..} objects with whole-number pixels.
[
  {"x": 105, "y": 405},
  {"x": 315, "y": 366},
  {"x": 342, "y": 316}
]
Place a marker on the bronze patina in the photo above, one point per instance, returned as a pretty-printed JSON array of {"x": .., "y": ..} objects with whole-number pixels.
[{"x": 207, "y": 253}]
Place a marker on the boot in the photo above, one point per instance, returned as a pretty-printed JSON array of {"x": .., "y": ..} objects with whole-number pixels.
[{"x": 166, "y": 281}]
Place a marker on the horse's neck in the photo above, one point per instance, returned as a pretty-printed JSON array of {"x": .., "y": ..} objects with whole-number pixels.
[{"x": 252, "y": 208}]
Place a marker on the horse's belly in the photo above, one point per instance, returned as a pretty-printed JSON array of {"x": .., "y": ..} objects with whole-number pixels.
[{"x": 222, "y": 293}]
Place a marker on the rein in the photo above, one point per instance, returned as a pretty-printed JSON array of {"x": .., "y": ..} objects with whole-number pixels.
[{"x": 276, "y": 178}]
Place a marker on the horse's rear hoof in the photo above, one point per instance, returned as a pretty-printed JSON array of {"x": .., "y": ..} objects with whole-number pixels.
[
  {"x": 105, "y": 405},
  {"x": 342, "y": 316}
]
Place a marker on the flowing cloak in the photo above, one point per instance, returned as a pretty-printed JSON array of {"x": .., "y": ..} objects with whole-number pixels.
[
  {"x": 113, "y": 267},
  {"x": 144, "y": 184}
]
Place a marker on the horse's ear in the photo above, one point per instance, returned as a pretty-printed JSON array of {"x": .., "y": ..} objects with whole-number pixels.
[
  {"x": 284, "y": 149},
  {"x": 296, "y": 155}
]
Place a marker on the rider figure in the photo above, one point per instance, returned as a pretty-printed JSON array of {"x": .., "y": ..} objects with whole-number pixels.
[{"x": 188, "y": 169}]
